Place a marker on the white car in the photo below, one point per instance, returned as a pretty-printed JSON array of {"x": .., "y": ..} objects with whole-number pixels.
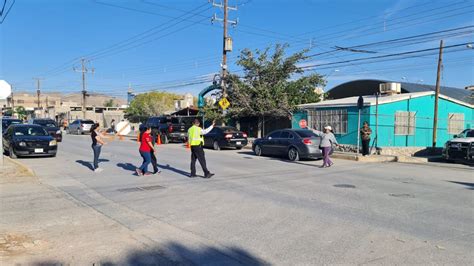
[{"x": 461, "y": 148}]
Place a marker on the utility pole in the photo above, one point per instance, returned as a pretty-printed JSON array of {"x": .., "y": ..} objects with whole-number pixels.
[
  {"x": 84, "y": 71},
  {"x": 38, "y": 92},
  {"x": 438, "y": 81},
  {"x": 227, "y": 41}
]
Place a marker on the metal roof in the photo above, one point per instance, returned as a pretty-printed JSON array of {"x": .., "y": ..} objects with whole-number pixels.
[{"x": 371, "y": 86}]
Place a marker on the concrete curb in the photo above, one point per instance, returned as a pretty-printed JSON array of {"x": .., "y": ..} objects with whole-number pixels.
[{"x": 21, "y": 165}]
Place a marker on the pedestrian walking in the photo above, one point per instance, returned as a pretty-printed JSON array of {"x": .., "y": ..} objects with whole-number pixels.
[
  {"x": 146, "y": 147},
  {"x": 97, "y": 143},
  {"x": 327, "y": 141},
  {"x": 196, "y": 142},
  {"x": 365, "y": 133},
  {"x": 112, "y": 126},
  {"x": 154, "y": 162}
]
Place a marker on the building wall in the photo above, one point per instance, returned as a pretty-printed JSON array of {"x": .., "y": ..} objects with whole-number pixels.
[{"x": 422, "y": 137}]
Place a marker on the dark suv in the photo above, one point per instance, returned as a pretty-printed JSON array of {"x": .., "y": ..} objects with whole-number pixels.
[
  {"x": 170, "y": 128},
  {"x": 50, "y": 126}
]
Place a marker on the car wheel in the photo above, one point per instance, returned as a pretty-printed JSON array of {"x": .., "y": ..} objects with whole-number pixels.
[
  {"x": 293, "y": 155},
  {"x": 11, "y": 153},
  {"x": 216, "y": 146},
  {"x": 257, "y": 150}
]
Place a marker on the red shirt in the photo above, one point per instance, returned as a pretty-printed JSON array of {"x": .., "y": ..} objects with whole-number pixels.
[{"x": 144, "y": 142}]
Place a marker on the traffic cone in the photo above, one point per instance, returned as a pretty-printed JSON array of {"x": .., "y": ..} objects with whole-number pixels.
[{"x": 158, "y": 140}]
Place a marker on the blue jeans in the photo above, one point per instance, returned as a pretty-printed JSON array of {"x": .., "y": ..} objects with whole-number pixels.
[
  {"x": 96, "y": 149},
  {"x": 146, "y": 161}
]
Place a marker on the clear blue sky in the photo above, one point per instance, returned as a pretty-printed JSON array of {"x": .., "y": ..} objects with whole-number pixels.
[{"x": 42, "y": 39}]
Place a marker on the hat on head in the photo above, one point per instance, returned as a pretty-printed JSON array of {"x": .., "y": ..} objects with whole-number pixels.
[{"x": 328, "y": 127}]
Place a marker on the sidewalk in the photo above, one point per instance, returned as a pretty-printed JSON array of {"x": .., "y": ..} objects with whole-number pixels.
[{"x": 41, "y": 225}]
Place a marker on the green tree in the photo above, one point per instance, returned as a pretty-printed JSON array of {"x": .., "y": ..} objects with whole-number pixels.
[
  {"x": 152, "y": 103},
  {"x": 272, "y": 85},
  {"x": 21, "y": 112},
  {"x": 109, "y": 103}
]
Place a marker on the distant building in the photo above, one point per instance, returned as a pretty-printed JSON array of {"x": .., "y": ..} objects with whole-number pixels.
[{"x": 186, "y": 102}]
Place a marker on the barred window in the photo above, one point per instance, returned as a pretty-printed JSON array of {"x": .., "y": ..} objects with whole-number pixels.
[
  {"x": 337, "y": 119},
  {"x": 405, "y": 123},
  {"x": 455, "y": 123}
]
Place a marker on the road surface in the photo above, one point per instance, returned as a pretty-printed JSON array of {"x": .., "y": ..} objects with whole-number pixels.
[{"x": 259, "y": 210}]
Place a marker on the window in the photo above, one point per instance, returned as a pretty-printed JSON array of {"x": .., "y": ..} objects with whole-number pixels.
[
  {"x": 337, "y": 119},
  {"x": 274, "y": 135},
  {"x": 455, "y": 123},
  {"x": 20, "y": 101},
  {"x": 405, "y": 123},
  {"x": 285, "y": 135}
]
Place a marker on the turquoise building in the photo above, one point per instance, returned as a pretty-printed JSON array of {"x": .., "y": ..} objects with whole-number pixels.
[{"x": 397, "y": 120}]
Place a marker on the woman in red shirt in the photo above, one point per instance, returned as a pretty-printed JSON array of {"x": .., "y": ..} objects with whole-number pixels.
[{"x": 146, "y": 147}]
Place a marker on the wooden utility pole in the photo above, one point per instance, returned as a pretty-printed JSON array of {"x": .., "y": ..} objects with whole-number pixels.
[
  {"x": 226, "y": 42},
  {"x": 38, "y": 92},
  {"x": 438, "y": 81},
  {"x": 84, "y": 70}
]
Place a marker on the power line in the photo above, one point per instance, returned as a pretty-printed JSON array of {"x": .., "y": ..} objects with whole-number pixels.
[{"x": 8, "y": 11}]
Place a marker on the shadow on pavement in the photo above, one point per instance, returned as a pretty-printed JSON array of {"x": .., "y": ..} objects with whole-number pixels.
[
  {"x": 176, "y": 170},
  {"x": 89, "y": 164},
  {"x": 127, "y": 166},
  {"x": 468, "y": 185},
  {"x": 177, "y": 254}
]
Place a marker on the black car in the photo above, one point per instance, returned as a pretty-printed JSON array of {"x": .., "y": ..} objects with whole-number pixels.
[
  {"x": 50, "y": 126},
  {"x": 295, "y": 144},
  {"x": 28, "y": 140},
  {"x": 6, "y": 122},
  {"x": 225, "y": 137},
  {"x": 170, "y": 128}
]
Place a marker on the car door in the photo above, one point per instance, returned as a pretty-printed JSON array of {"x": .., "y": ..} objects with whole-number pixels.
[
  {"x": 270, "y": 146},
  {"x": 211, "y": 136},
  {"x": 283, "y": 143}
]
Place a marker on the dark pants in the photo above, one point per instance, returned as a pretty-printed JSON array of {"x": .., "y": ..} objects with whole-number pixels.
[
  {"x": 197, "y": 152},
  {"x": 154, "y": 163},
  {"x": 96, "y": 149},
  {"x": 326, "y": 160},
  {"x": 365, "y": 146},
  {"x": 146, "y": 155}
]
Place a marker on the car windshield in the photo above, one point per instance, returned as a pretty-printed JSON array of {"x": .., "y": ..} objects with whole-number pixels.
[
  {"x": 29, "y": 131},
  {"x": 45, "y": 123},
  {"x": 7, "y": 123},
  {"x": 88, "y": 122},
  {"x": 305, "y": 133}
]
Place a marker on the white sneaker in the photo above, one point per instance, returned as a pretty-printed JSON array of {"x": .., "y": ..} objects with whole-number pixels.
[{"x": 98, "y": 170}]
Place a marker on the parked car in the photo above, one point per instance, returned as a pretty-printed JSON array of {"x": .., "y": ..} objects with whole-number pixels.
[
  {"x": 50, "y": 126},
  {"x": 28, "y": 140},
  {"x": 295, "y": 144},
  {"x": 461, "y": 148},
  {"x": 225, "y": 137},
  {"x": 80, "y": 126},
  {"x": 170, "y": 128},
  {"x": 6, "y": 122}
]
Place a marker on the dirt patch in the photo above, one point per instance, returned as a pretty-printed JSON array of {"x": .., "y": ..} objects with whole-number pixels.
[
  {"x": 11, "y": 173},
  {"x": 15, "y": 244}
]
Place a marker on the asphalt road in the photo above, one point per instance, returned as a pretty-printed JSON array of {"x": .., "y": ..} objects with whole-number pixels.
[{"x": 259, "y": 210}]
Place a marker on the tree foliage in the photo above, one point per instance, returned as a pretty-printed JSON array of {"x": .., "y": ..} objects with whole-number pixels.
[
  {"x": 152, "y": 103},
  {"x": 21, "y": 112},
  {"x": 109, "y": 103},
  {"x": 273, "y": 84}
]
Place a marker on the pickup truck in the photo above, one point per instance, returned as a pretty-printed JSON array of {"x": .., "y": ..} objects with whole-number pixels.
[
  {"x": 170, "y": 128},
  {"x": 461, "y": 148}
]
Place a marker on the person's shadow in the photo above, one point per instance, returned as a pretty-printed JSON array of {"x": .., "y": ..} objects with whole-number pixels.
[
  {"x": 176, "y": 170},
  {"x": 89, "y": 164},
  {"x": 127, "y": 166}
]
